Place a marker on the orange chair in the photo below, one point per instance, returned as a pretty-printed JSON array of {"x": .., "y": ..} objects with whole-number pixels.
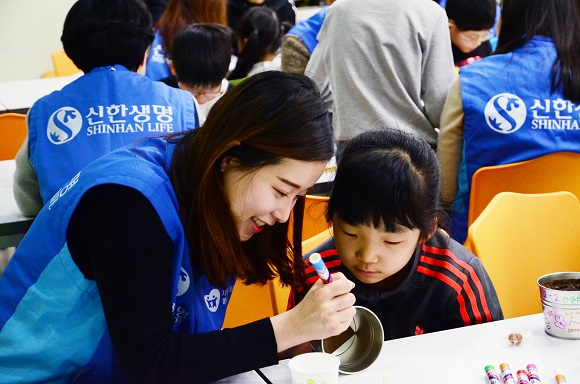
[
  {"x": 558, "y": 171},
  {"x": 314, "y": 220},
  {"x": 63, "y": 66},
  {"x": 519, "y": 238},
  {"x": 13, "y": 131},
  {"x": 253, "y": 302}
]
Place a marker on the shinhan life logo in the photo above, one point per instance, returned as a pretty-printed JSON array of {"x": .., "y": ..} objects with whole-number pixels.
[
  {"x": 505, "y": 113},
  {"x": 212, "y": 301},
  {"x": 64, "y": 125}
]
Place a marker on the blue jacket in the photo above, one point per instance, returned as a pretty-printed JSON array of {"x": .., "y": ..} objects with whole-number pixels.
[
  {"x": 103, "y": 110},
  {"x": 511, "y": 115},
  {"x": 157, "y": 67},
  {"x": 52, "y": 325},
  {"x": 308, "y": 29}
]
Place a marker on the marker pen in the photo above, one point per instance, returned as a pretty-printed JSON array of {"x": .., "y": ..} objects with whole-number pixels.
[
  {"x": 560, "y": 379},
  {"x": 320, "y": 268},
  {"x": 523, "y": 377},
  {"x": 492, "y": 376},
  {"x": 533, "y": 374},
  {"x": 506, "y": 374}
]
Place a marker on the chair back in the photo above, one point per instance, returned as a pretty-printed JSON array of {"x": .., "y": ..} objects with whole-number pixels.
[
  {"x": 314, "y": 220},
  {"x": 521, "y": 237},
  {"x": 63, "y": 66},
  {"x": 13, "y": 131},
  {"x": 558, "y": 171},
  {"x": 254, "y": 302}
]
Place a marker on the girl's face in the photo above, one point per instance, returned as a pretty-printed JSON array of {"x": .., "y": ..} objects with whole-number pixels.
[
  {"x": 268, "y": 195},
  {"x": 371, "y": 254}
]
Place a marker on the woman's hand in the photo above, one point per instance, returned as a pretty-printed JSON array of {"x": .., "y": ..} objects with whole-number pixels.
[{"x": 326, "y": 310}]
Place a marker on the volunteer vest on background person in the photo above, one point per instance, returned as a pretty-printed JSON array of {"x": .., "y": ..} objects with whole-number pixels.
[
  {"x": 157, "y": 61},
  {"x": 103, "y": 110},
  {"x": 521, "y": 118}
]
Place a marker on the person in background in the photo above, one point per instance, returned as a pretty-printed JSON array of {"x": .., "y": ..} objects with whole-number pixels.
[
  {"x": 383, "y": 62},
  {"x": 518, "y": 104},
  {"x": 156, "y": 8},
  {"x": 178, "y": 15},
  {"x": 201, "y": 57},
  {"x": 126, "y": 277},
  {"x": 300, "y": 41},
  {"x": 470, "y": 23},
  {"x": 412, "y": 275},
  {"x": 110, "y": 106},
  {"x": 285, "y": 10},
  {"x": 259, "y": 34}
]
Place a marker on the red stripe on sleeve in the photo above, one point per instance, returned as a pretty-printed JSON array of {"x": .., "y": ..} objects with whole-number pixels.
[
  {"x": 472, "y": 275},
  {"x": 452, "y": 284},
  {"x": 451, "y": 268}
]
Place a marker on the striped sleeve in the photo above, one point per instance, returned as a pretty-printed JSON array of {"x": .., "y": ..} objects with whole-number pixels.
[{"x": 472, "y": 287}]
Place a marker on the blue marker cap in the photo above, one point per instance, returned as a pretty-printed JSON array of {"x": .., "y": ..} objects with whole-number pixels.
[{"x": 318, "y": 264}]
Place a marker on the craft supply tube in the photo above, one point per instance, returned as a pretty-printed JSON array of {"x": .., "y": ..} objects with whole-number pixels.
[
  {"x": 506, "y": 374},
  {"x": 320, "y": 267},
  {"x": 492, "y": 376},
  {"x": 523, "y": 377},
  {"x": 533, "y": 374},
  {"x": 560, "y": 378}
]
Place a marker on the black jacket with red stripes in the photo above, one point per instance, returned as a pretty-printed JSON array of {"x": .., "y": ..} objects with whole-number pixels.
[{"x": 447, "y": 287}]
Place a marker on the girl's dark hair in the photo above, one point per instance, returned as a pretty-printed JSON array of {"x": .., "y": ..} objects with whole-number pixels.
[
  {"x": 202, "y": 54},
  {"x": 387, "y": 177},
  {"x": 265, "y": 119},
  {"x": 556, "y": 19},
  {"x": 180, "y": 13},
  {"x": 262, "y": 29},
  {"x": 471, "y": 15},
  {"x": 100, "y": 33}
]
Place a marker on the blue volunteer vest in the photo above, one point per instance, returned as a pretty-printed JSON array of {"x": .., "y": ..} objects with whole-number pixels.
[
  {"x": 103, "y": 110},
  {"x": 308, "y": 29},
  {"x": 157, "y": 67},
  {"x": 52, "y": 326},
  {"x": 511, "y": 116}
]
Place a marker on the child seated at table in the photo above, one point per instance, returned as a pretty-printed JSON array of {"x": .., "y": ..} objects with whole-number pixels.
[
  {"x": 385, "y": 209},
  {"x": 110, "y": 106},
  {"x": 470, "y": 23},
  {"x": 201, "y": 58}
]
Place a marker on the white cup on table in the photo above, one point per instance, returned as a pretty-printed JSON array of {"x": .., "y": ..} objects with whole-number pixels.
[{"x": 314, "y": 367}]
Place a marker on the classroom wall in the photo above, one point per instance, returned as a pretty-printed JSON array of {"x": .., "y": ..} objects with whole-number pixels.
[{"x": 29, "y": 32}]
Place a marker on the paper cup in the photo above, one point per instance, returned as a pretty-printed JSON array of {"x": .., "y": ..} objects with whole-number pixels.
[
  {"x": 360, "y": 345},
  {"x": 314, "y": 368}
]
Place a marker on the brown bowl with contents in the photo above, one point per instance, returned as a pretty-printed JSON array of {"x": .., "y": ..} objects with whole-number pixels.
[{"x": 560, "y": 295}]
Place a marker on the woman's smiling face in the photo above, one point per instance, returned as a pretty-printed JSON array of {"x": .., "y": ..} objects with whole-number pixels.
[{"x": 267, "y": 195}]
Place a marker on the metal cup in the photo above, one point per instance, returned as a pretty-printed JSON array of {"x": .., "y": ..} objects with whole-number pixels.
[
  {"x": 560, "y": 307},
  {"x": 360, "y": 345}
]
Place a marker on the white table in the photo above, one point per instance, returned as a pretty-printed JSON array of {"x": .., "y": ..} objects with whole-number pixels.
[
  {"x": 13, "y": 225},
  {"x": 18, "y": 96},
  {"x": 460, "y": 355}
]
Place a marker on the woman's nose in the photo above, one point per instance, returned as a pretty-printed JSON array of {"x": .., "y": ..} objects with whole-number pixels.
[{"x": 282, "y": 213}]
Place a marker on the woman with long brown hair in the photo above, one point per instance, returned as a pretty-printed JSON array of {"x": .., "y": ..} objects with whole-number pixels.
[
  {"x": 520, "y": 103},
  {"x": 125, "y": 276}
]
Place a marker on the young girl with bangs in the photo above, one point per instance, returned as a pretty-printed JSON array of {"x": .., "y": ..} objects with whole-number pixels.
[{"x": 385, "y": 212}]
